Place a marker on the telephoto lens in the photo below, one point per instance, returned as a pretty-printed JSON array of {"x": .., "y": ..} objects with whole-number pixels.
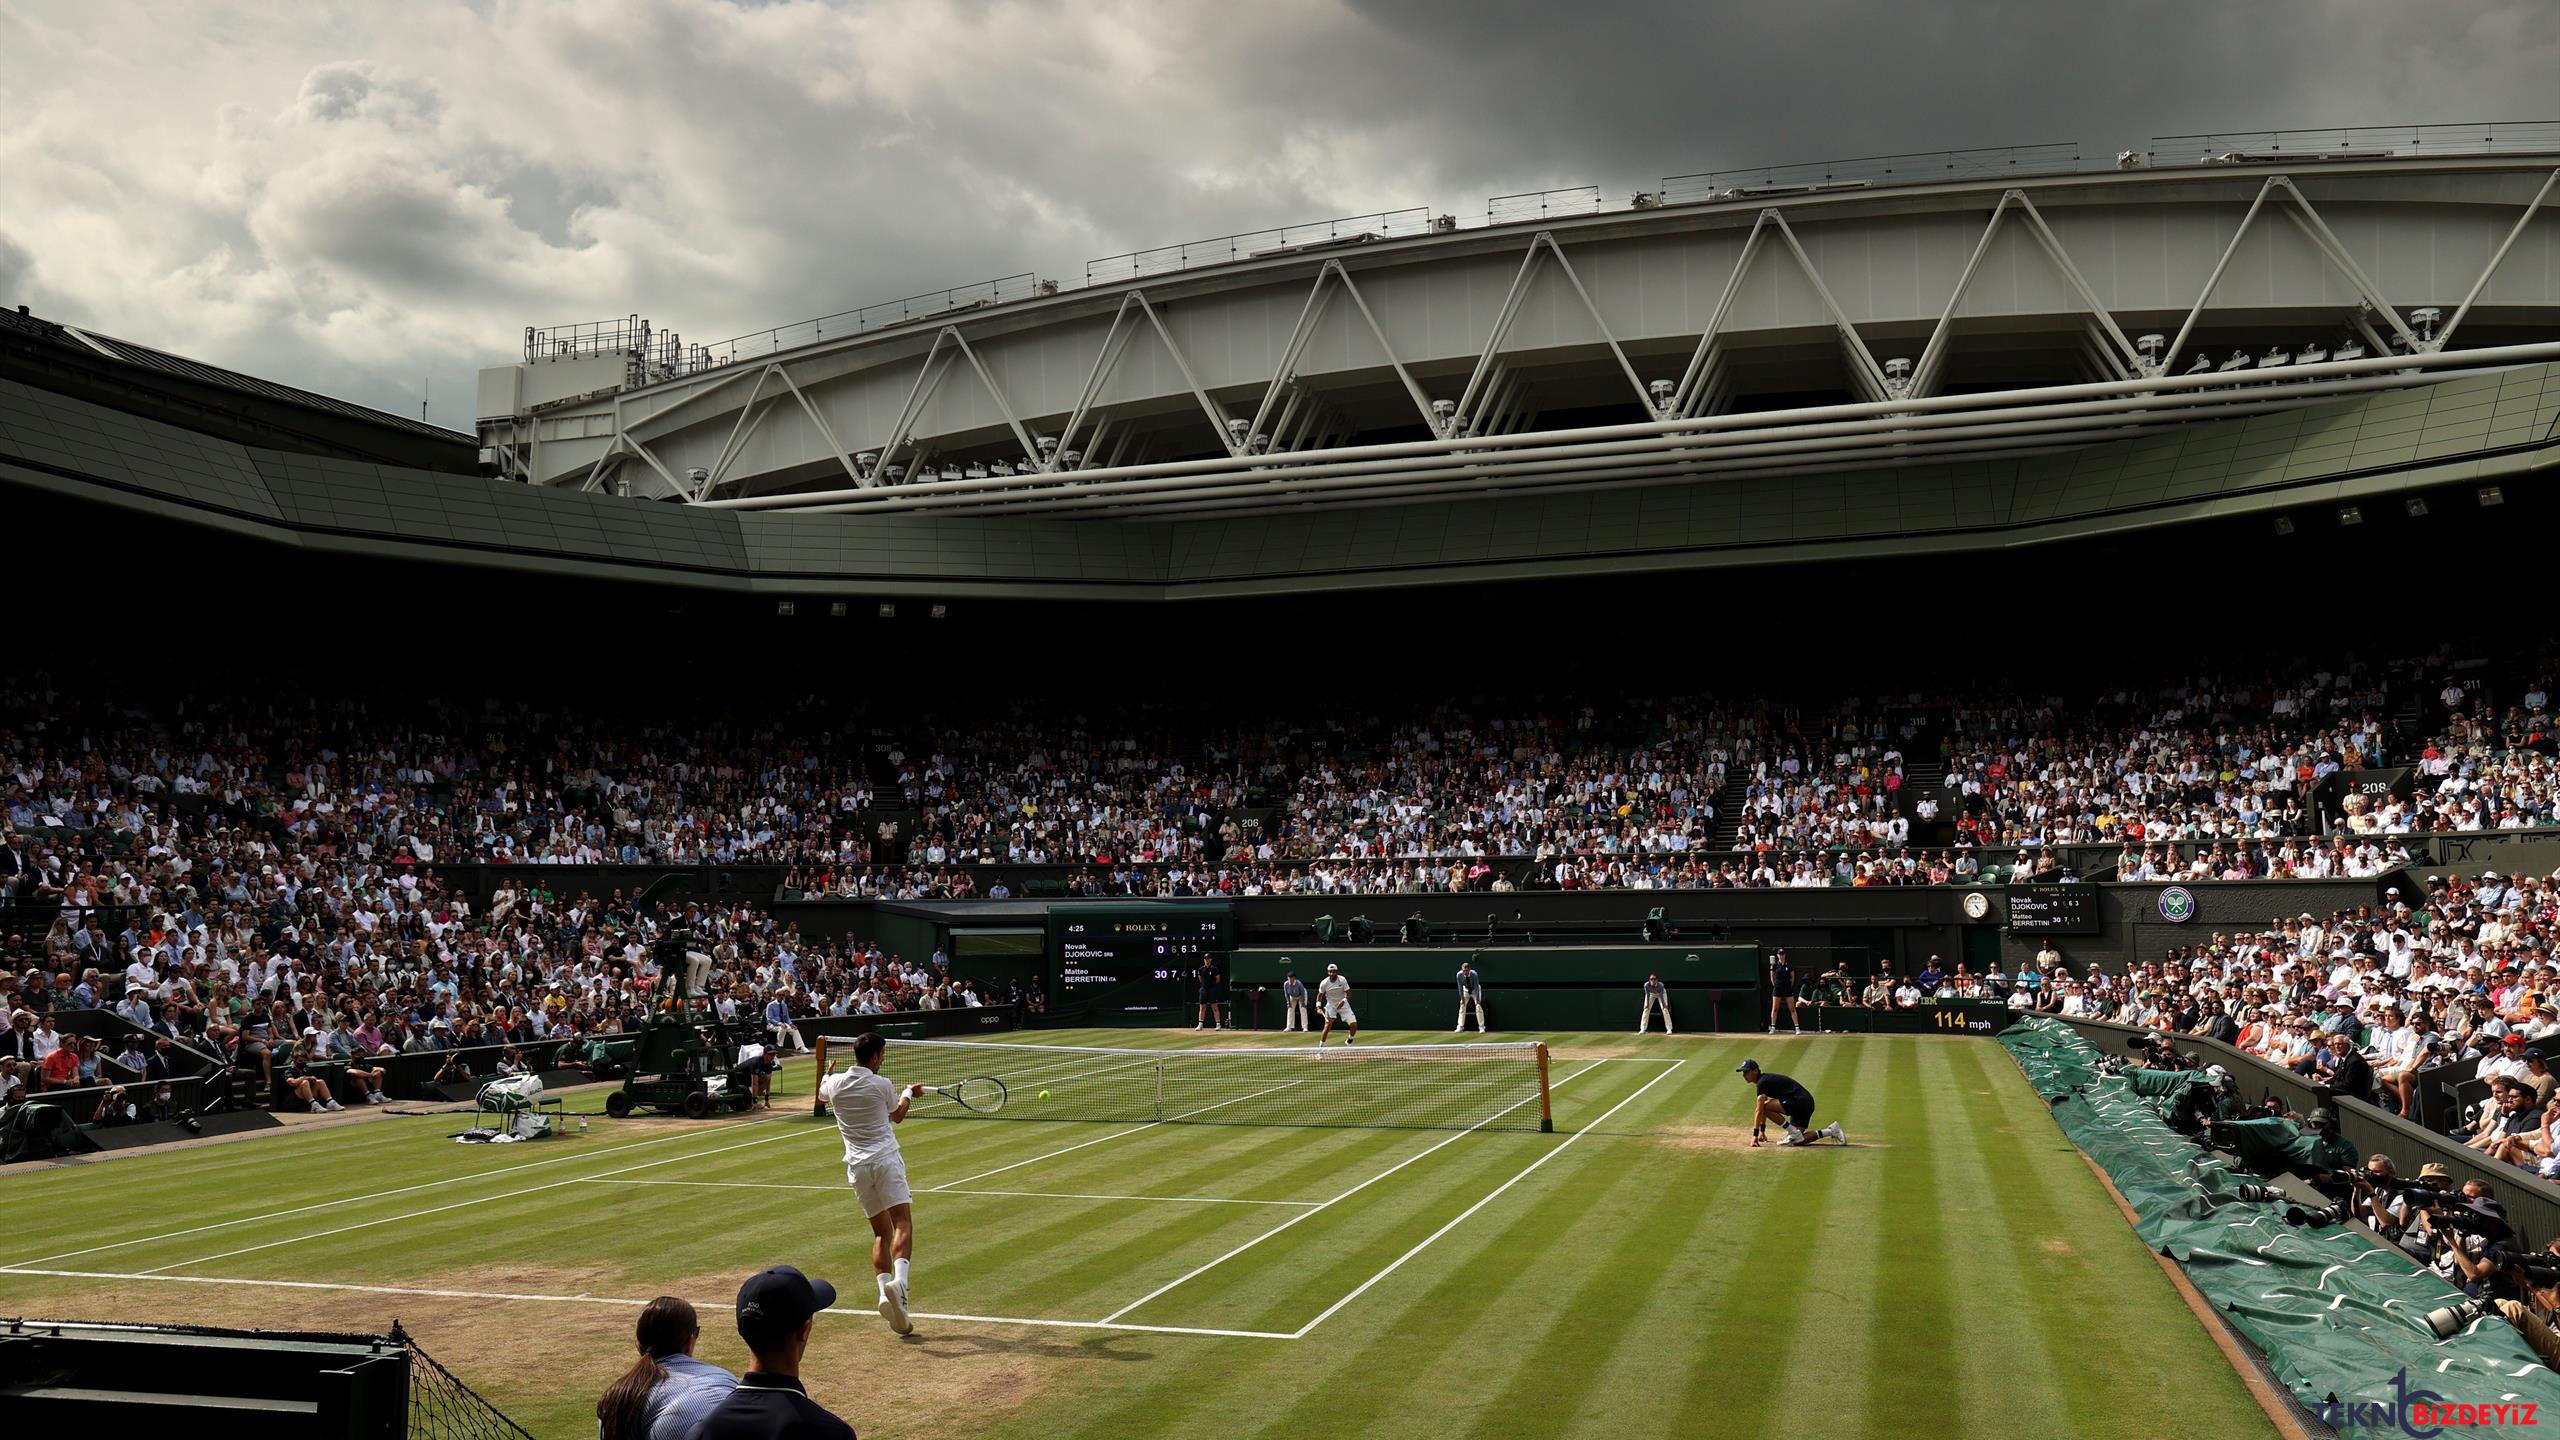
[
  {"x": 2262, "y": 1193},
  {"x": 2449, "y": 1321},
  {"x": 2325, "y": 1215}
]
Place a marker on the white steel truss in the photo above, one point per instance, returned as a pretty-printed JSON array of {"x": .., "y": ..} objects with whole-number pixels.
[
  {"x": 2114, "y": 354},
  {"x": 1706, "y": 363},
  {"x": 1938, "y": 428},
  {"x": 1542, "y": 246},
  {"x": 2323, "y": 239},
  {"x": 1296, "y": 441}
]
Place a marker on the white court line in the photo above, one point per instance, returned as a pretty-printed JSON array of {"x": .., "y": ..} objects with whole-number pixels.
[
  {"x": 483, "y": 1200},
  {"x": 1311, "y": 1213},
  {"x": 1168, "y": 1199},
  {"x": 1018, "y": 1194},
  {"x": 1117, "y": 1134},
  {"x": 1524, "y": 1174},
  {"x": 627, "y": 1304},
  {"x": 495, "y": 1173}
]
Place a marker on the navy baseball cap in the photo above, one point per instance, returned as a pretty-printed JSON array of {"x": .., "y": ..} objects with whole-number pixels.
[
  {"x": 775, "y": 1302},
  {"x": 1746, "y": 1067}
]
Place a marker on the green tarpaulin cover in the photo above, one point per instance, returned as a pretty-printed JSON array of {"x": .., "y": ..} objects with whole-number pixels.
[{"x": 2338, "y": 1314}]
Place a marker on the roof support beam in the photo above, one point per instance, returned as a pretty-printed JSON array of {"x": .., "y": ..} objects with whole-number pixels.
[{"x": 2445, "y": 336}]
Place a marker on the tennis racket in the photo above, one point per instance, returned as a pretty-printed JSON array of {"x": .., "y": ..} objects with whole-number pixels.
[{"x": 983, "y": 1094}]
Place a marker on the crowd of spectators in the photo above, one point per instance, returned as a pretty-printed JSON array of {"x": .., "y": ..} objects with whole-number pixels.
[
  {"x": 2459, "y": 982},
  {"x": 2203, "y": 780},
  {"x": 268, "y": 860}
]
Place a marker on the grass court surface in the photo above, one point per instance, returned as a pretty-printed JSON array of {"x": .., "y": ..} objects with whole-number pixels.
[{"x": 1956, "y": 1269}]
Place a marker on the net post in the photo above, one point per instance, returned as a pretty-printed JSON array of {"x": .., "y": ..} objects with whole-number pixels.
[
  {"x": 1546, "y": 1102},
  {"x": 818, "y": 1061}
]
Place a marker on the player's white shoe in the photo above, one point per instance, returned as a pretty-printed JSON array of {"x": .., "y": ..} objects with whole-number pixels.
[
  {"x": 1796, "y": 1136},
  {"x": 1834, "y": 1132},
  {"x": 893, "y": 1307}
]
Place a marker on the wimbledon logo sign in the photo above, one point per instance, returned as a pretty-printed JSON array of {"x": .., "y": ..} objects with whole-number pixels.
[{"x": 2177, "y": 905}]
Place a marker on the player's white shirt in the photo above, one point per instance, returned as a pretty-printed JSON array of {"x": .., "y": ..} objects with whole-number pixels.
[
  {"x": 862, "y": 1099},
  {"x": 1334, "y": 991}
]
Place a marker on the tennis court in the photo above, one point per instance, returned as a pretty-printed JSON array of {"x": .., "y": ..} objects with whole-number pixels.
[{"x": 1592, "y": 1270}]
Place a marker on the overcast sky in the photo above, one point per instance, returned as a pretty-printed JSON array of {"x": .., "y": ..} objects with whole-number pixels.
[{"x": 363, "y": 197}]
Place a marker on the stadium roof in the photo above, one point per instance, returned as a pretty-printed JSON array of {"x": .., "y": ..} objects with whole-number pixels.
[{"x": 209, "y": 398}]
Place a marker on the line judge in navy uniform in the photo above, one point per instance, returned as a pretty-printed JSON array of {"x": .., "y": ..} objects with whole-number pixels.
[{"x": 777, "y": 1309}]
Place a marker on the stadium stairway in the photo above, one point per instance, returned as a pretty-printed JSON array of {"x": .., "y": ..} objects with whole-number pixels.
[{"x": 1729, "y": 799}]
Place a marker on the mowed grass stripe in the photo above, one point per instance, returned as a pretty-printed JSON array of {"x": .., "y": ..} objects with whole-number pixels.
[
  {"x": 1091, "y": 1259},
  {"x": 1637, "y": 1389},
  {"x": 1916, "y": 1267},
  {"x": 2049, "y": 1371},
  {"x": 1286, "y": 1281},
  {"x": 1624, "y": 1214},
  {"x": 1377, "y": 1231},
  {"x": 2111, "y": 1325},
  {"x": 389, "y": 1203},
  {"x": 1055, "y": 1225},
  {"x": 1761, "y": 1295},
  {"x": 173, "y": 1173}
]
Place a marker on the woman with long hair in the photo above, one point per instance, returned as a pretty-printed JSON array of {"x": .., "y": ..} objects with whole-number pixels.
[{"x": 666, "y": 1390}]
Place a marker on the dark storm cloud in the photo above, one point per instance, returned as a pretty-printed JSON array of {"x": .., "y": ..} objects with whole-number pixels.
[{"x": 352, "y": 196}]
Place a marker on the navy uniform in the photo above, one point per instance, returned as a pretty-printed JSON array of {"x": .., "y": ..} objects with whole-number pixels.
[
  {"x": 1793, "y": 1101},
  {"x": 1294, "y": 992}
]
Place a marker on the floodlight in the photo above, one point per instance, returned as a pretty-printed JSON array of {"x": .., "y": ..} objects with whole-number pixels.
[
  {"x": 939, "y": 611},
  {"x": 2284, "y": 525},
  {"x": 2416, "y": 505},
  {"x": 835, "y": 610},
  {"x": 2425, "y": 318},
  {"x": 786, "y": 607},
  {"x": 888, "y": 610},
  {"x": 2350, "y": 515},
  {"x": 2492, "y": 495}
]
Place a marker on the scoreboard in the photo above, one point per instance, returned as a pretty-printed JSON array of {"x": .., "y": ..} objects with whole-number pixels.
[
  {"x": 1134, "y": 961},
  {"x": 2054, "y": 909}
]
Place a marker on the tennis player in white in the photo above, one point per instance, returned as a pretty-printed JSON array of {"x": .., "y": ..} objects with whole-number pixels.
[
  {"x": 1333, "y": 997},
  {"x": 868, "y": 1107}
]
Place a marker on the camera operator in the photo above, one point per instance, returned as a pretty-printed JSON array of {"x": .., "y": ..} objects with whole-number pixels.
[
  {"x": 2389, "y": 1202},
  {"x": 2467, "y": 1239},
  {"x": 2273, "y": 1143},
  {"x": 2537, "y": 1283}
]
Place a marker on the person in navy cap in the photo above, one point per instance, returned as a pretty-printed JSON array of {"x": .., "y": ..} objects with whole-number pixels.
[
  {"x": 1781, "y": 1098},
  {"x": 777, "y": 1309}
]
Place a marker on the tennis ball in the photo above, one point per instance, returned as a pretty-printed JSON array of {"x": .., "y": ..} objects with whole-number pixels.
[{"x": 1044, "y": 1094}]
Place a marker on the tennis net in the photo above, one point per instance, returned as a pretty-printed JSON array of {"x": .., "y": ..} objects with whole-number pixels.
[{"x": 1455, "y": 1086}]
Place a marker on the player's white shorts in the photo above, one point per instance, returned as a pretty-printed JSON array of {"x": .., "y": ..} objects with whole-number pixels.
[
  {"x": 879, "y": 1182},
  {"x": 1339, "y": 1012}
]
